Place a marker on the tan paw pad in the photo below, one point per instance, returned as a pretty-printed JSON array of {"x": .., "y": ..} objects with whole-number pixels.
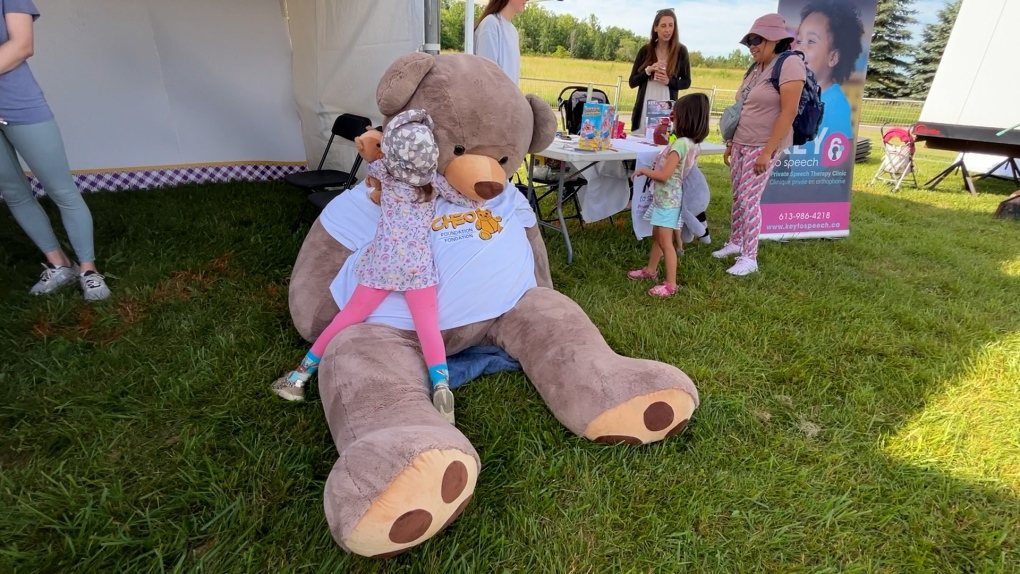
[
  {"x": 643, "y": 419},
  {"x": 426, "y": 497}
]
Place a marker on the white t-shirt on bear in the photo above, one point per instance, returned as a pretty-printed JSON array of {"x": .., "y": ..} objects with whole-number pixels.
[{"x": 485, "y": 263}]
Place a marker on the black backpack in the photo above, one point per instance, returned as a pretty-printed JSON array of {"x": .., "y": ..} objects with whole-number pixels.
[{"x": 811, "y": 108}]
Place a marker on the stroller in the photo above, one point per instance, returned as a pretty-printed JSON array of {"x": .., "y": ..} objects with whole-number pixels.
[
  {"x": 898, "y": 161},
  {"x": 547, "y": 170},
  {"x": 571, "y": 107}
]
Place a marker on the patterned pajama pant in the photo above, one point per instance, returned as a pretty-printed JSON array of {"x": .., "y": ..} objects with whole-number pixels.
[{"x": 745, "y": 218}]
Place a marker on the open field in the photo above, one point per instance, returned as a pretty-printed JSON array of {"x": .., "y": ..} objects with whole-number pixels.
[{"x": 546, "y": 77}]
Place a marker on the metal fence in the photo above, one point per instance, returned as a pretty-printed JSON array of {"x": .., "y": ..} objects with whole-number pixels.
[{"x": 873, "y": 112}]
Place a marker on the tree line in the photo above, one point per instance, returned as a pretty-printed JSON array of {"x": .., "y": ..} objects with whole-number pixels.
[
  {"x": 543, "y": 33},
  {"x": 897, "y": 68}
]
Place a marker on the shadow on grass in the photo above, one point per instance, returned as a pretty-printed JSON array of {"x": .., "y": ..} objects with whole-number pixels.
[{"x": 138, "y": 434}]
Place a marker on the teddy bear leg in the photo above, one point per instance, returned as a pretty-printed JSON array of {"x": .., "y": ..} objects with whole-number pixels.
[
  {"x": 311, "y": 305},
  {"x": 403, "y": 473},
  {"x": 593, "y": 391}
]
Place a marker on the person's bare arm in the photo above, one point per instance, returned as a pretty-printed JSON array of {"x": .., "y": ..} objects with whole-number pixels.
[
  {"x": 19, "y": 47},
  {"x": 672, "y": 161},
  {"x": 789, "y": 101}
]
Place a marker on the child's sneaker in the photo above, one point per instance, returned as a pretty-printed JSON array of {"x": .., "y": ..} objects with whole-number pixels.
[
  {"x": 639, "y": 274},
  {"x": 93, "y": 285},
  {"x": 291, "y": 386},
  {"x": 744, "y": 266},
  {"x": 442, "y": 399},
  {"x": 727, "y": 250},
  {"x": 706, "y": 239},
  {"x": 54, "y": 277}
]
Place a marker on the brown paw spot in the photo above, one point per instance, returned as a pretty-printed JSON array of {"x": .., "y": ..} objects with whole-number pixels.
[
  {"x": 678, "y": 428},
  {"x": 658, "y": 416},
  {"x": 394, "y": 553},
  {"x": 616, "y": 439},
  {"x": 454, "y": 480},
  {"x": 410, "y": 526},
  {"x": 457, "y": 512}
]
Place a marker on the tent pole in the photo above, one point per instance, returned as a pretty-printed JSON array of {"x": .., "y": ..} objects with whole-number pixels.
[
  {"x": 431, "y": 45},
  {"x": 469, "y": 26}
]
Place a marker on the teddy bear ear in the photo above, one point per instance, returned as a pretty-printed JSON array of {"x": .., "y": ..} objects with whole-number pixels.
[
  {"x": 544, "y": 129},
  {"x": 401, "y": 80}
]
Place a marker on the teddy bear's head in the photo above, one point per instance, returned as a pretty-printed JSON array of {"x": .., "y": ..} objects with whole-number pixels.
[{"x": 484, "y": 125}]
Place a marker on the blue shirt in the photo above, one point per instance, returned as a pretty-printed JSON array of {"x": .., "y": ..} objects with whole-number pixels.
[
  {"x": 837, "y": 112},
  {"x": 21, "y": 98}
]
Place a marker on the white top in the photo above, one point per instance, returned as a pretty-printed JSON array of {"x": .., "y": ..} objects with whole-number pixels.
[
  {"x": 496, "y": 39},
  {"x": 484, "y": 269}
]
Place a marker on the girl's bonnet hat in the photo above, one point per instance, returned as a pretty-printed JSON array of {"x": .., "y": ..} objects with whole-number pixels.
[{"x": 409, "y": 148}]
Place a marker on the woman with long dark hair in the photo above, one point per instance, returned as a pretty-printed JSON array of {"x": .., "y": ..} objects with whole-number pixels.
[
  {"x": 497, "y": 39},
  {"x": 661, "y": 69}
]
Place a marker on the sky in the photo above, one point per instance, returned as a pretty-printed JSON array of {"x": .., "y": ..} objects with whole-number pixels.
[{"x": 712, "y": 27}]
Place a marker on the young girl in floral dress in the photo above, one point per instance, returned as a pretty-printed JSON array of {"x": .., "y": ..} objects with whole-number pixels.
[{"x": 399, "y": 257}]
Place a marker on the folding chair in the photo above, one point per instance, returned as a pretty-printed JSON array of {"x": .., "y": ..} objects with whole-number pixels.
[
  {"x": 322, "y": 185},
  {"x": 898, "y": 160}
]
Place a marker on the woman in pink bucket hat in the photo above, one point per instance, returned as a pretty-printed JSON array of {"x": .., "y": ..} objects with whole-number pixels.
[{"x": 765, "y": 127}]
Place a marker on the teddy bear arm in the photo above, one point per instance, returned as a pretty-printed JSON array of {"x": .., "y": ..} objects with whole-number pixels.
[
  {"x": 593, "y": 391},
  {"x": 542, "y": 274},
  {"x": 311, "y": 304}
]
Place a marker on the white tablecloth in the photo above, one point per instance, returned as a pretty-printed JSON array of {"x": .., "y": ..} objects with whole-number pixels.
[{"x": 608, "y": 192}]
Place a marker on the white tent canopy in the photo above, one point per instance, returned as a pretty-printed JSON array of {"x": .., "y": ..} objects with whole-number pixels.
[{"x": 156, "y": 86}]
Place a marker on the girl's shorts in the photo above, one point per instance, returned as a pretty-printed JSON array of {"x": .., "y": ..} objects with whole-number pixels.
[{"x": 666, "y": 217}]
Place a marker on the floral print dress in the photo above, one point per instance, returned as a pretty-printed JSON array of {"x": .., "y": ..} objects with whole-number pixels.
[{"x": 400, "y": 256}]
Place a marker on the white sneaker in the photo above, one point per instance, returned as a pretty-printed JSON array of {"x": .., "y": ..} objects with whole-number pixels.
[
  {"x": 54, "y": 277},
  {"x": 744, "y": 266},
  {"x": 727, "y": 250},
  {"x": 93, "y": 285},
  {"x": 442, "y": 399},
  {"x": 706, "y": 239},
  {"x": 291, "y": 386}
]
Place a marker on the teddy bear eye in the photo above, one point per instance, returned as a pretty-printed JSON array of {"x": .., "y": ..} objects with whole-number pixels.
[
  {"x": 503, "y": 160},
  {"x": 458, "y": 150}
]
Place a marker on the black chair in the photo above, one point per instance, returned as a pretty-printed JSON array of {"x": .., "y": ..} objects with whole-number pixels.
[{"x": 323, "y": 185}]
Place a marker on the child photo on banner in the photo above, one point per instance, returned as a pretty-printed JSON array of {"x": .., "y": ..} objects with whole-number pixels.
[{"x": 808, "y": 194}]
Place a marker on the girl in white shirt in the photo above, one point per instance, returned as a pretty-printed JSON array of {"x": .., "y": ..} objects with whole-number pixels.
[{"x": 496, "y": 38}]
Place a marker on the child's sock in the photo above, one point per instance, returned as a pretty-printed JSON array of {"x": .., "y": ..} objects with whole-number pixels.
[
  {"x": 439, "y": 374},
  {"x": 308, "y": 367}
]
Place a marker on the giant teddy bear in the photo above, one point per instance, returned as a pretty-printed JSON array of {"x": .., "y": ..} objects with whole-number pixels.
[{"x": 404, "y": 473}]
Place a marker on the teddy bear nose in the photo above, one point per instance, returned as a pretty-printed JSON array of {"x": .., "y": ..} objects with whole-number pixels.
[{"x": 488, "y": 189}]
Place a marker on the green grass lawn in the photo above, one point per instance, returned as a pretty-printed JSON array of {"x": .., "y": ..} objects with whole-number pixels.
[{"x": 859, "y": 403}]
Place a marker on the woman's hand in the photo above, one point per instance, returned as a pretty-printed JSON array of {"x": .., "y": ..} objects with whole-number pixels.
[
  {"x": 726, "y": 155},
  {"x": 661, "y": 77},
  {"x": 762, "y": 163}
]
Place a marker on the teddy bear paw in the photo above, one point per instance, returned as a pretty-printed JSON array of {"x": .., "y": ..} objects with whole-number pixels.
[
  {"x": 423, "y": 499},
  {"x": 644, "y": 419}
]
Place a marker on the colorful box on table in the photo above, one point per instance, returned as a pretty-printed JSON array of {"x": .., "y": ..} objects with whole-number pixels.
[
  {"x": 596, "y": 133},
  {"x": 657, "y": 112}
]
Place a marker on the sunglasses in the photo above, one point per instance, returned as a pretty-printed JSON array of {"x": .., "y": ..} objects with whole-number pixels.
[{"x": 754, "y": 40}]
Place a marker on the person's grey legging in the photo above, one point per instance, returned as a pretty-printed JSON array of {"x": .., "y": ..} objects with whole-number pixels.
[{"x": 43, "y": 150}]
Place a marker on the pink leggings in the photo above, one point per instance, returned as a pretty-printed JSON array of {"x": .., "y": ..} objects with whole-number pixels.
[
  {"x": 424, "y": 313},
  {"x": 745, "y": 218}
]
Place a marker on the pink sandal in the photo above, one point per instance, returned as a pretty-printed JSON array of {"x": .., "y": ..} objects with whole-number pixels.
[
  {"x": 639, "y": 274},
  {"x": 662, "y": 291}
]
